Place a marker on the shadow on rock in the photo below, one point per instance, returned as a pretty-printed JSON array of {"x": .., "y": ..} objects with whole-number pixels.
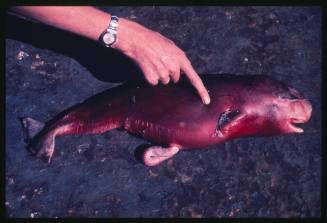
[
  {"x": 139, "y": 151},
  {"x": 100, "y": 61}
]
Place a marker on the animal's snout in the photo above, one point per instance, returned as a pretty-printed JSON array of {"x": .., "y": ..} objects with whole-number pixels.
[{"x": 302, "y": 110}]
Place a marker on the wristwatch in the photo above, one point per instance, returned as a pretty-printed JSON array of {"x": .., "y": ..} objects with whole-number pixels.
[{"x": 109, "y": 36}]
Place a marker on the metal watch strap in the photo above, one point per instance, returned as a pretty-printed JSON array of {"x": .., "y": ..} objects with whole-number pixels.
[{"x": 113, "y": 24}]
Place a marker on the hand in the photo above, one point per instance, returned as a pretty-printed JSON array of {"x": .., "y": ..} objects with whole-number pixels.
[{"x": 158, "y": 57}]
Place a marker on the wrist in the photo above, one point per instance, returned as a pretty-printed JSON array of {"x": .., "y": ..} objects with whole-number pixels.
[{"x": 124, "y": 35}]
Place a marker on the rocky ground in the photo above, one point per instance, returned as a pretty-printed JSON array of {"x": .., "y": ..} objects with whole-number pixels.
[{"x": 48, "y": 71}]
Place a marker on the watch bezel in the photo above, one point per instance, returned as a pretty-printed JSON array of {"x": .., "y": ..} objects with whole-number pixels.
[{"x": 108, "y": 32}]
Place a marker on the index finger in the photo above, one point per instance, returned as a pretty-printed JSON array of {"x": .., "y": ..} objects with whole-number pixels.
[{"x": 195, "y": 81}]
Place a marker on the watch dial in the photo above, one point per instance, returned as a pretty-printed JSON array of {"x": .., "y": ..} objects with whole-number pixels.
[{"x": 108, "y": 38}]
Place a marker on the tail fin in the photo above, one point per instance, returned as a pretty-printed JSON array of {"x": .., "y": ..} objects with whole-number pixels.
[{"x": 39, "y": 143}]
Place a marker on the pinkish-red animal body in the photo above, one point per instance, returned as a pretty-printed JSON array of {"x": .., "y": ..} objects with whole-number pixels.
[{"x": 174, "y": 117}]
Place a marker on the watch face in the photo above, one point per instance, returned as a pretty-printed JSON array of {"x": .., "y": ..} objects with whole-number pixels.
[{"x": 108, "y": 38}]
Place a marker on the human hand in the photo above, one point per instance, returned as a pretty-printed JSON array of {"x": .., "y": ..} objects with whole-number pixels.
[{"x": 158, "y": 57}]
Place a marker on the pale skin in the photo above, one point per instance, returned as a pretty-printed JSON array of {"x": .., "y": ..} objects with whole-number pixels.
[{"x": 157, "y": 56}]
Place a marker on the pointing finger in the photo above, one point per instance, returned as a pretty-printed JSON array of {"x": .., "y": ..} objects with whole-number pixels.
[{"x": 196, "y": 81}]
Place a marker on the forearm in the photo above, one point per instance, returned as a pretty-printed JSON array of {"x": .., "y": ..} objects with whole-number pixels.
[{"x": 82, "y": 20}]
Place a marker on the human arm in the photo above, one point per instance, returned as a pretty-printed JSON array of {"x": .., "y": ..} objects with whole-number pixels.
[{"x": 158, "y": 57}]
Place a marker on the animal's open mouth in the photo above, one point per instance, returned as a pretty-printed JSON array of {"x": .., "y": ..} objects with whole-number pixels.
[{"x": 295, "y": 123}]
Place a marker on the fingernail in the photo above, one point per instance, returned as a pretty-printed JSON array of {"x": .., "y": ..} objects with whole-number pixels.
[{"x": 206, "y": 100}]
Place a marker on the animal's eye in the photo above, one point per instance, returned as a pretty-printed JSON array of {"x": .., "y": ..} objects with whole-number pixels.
[
  {"x": 292, "y": 97},
  {"x": 289, "y": 96},
  {"x": 226, "y": 117}
]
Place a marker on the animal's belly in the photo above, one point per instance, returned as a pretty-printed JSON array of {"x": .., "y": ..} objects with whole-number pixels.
[{"x": 162, "y": 134}]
